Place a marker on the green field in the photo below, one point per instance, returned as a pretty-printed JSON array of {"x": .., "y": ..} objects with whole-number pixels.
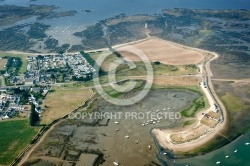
[
  {"x": 15, "y": 135},
  {"x": 22, "y": 56}
]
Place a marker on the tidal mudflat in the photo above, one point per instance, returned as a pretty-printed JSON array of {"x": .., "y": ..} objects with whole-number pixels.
[{"x": 124, "y": 140}]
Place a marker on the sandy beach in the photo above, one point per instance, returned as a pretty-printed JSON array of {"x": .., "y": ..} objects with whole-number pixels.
[{"x": 163, "y": 136}]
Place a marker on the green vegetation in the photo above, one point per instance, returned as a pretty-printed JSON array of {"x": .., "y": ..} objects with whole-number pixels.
[
  {"x": 194, "y": 67},
  {"x": 238, "y": 118},
  {"x": 113, "y": 93},
  {"x": 232, "y": 103},
  {"x": 21, "y": 56},
  {"x": 24, "y": 95},
  {"x": 157, "y": 63},
  {"x": 238, "y": 115},
  {"x": 161, "y": 69},
  {"x": 34, "y": 116},
  {"x": 88, "y": 58},
  {"x": 197, "y": 105},
  {"x": 91, "y": 61},
  {"x": 188, "y": 122},
  {"x": 214, "y": 144},
  {"x": 15, "y": 135},
  {"x": 13, "y": 65}
]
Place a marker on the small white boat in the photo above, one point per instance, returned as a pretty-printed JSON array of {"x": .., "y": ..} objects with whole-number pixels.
[
  {"x": 116, "y": 122},
  {"x": 164, "y": 109},
  {"x": 149, "y": 146},
  {"x": 226, "y": 156},
  {"x": 235, "y": 151},
  {"x": 127, "y": 136},
  {"x": 164, "y": 153},
  {"x": 218, "y": 162},
  {"x": 115, "y": 163},
  {"x": 247, "y": 143}
]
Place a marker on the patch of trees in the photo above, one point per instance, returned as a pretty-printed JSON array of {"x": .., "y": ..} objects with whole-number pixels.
[
  {"x": 88, "y": 58},
  {"x": 116, "y": 53},
  {"x": 85, "y": 79},
  {"x": 24, "y": 99},
  {"x": 14, "y": 64},
  {"x": 34, "y": 116},
  {"x": 91, "y": 62},
  {"x": 157, "y": 63}
]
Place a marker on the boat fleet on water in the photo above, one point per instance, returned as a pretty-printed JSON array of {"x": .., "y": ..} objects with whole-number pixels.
[
  {"x": 235, "y": 151},
  {"x": 164, "y": 153}
]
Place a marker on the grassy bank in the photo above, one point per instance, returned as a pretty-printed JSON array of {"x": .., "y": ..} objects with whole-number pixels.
[
  {"x": 188, "y": 122},
  {"x": 238, "y": 117},
  {"x": 15, "y": 135},
  {"x": 197, "y": 105}
]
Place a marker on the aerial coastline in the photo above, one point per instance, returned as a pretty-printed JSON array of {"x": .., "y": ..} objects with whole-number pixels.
[{"x": 51, "y": 56}]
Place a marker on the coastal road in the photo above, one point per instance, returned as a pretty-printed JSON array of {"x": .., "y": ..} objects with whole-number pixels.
[{"x": 163, "y": 136}]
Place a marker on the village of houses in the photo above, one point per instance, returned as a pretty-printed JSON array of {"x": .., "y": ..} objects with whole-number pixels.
[{"x": 42, "y": 71}]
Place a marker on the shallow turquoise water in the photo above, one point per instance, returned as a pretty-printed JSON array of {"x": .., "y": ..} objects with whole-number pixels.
[{"x": 241, "y": 158}]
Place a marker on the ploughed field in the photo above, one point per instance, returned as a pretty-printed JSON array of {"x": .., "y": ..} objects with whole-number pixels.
[
  {"x": 165, "y": 52},
  {"x": 125, "y": 140}
]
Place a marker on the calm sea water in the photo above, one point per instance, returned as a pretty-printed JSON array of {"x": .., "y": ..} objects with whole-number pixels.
[
  {"x": 240, "y": 158},
  {"x": 102, "y": 9}
]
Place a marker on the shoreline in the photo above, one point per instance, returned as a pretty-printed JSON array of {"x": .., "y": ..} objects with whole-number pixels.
[
  {"x": 163, "y": 136},
  {"x": 87, "y": 51},
  {"x": 161, "y": 143}
]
